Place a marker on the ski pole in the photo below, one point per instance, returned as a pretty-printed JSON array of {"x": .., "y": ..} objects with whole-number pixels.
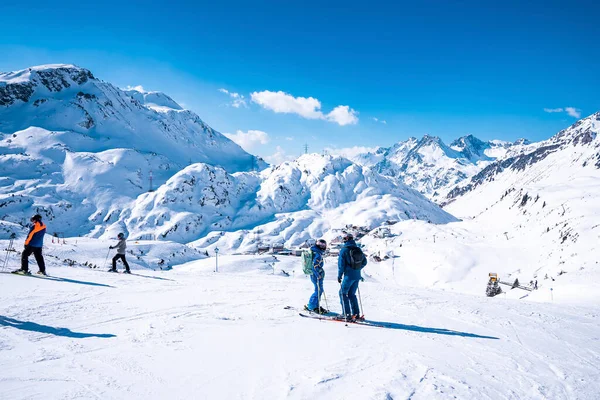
[
  {"x": 107, "y": 254},
  {"x": 8, "y": 250},
  {"x": 342, "y": 299},
  {"x": 325, "y": 297},
  {"x": 360, "y": 300},
  {"x": 319, "y": 296},
  {"x": 5, "y": 259}
]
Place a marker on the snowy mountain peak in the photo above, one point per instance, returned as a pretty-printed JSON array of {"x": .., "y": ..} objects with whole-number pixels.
[
  {"x": 317, "y": 165},
  {"x": 400, "y": 150},
  {"x": 429, "y": 165},
  {"x": 471, "y": 147},
  {"x": 67, "y": 98},
  {"x": 49, "y": 71},
  {"x": 431, "y": 148},
  {"x": 578, "y": 145},
  {"x": 427, "y": 140},
  {"x": 19, "y": 86},
  {"x": 583, "y": 131},
  {"x": 522, "y": 142},
  {"x": 157, "y": 101},
  {"x": 467, "y": 141}
]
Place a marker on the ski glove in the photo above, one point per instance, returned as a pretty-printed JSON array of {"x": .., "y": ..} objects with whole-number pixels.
[{"x": 339, "y": 280}]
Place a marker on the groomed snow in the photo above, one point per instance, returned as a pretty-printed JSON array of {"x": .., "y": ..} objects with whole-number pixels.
[{"x": 193, "y": 333}]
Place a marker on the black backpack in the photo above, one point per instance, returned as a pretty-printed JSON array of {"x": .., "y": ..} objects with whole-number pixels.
[{"x": 356, "y": 258}]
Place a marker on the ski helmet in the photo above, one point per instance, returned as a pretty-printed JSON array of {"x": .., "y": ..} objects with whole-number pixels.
[
  {"x": 347, "y": 236},
  {"x": 36, "y": 217},
  {"x": 322, "y": 244},
  {"x": 121, "y": 235}
]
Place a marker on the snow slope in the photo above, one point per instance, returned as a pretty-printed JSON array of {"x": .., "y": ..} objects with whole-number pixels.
[
  {"x": 192, "y": 333},
  {"x": 531, "y": 216}
]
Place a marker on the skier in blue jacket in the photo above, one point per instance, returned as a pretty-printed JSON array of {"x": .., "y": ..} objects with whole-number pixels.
[
  {"x": 350, "y": 261},
  {"x": 317, "y": 277},
  {"x": 33, "y": 245}
]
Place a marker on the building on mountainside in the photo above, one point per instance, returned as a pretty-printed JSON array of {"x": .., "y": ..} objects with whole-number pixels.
[
  {"x": 277, "y": 248},
  {"x": 334, "y": 249},
  {"x": 382, "y": 232},
  {"x": 262, "y": 248}
]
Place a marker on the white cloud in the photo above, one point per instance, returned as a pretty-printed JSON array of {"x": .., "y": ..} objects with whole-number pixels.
[
  {"x": 572, "y": 111},
  {"x": 238, "y": 99},
  {"x": 289, "y": 138},
  {"x": 380, "y": 120},
  {"x": 350, "y": 152},
  {"x": 138, "y": 88},
  {"x": 281, "y": 102},
  {"x": 343, "y": 115},
  {"x": 553, "y": 110},
  {"x": 306, "y": 107},
  {"x": 250, "y": 139},
  {"x": 279, "y": 157}
]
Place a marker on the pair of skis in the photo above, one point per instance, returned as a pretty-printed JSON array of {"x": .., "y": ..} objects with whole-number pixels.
[
  {"x": 35, "y": 275},
  {"x": 335, "y": 318}
]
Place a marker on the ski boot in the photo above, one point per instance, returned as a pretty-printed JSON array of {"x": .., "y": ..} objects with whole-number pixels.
[
  {"x": 127, "y": 271},
  {"x": 112, "y": 270},
  {"x": 21, "y": 272},
  {"x": 42, "y": 273}
]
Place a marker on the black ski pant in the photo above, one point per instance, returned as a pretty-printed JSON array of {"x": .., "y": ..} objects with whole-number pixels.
[
  {"x": 122, "y": 257},
  {"x": 37, "y": 253}
]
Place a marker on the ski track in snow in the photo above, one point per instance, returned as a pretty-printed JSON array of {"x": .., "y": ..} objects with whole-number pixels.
[{"x": 227, "y": 335}]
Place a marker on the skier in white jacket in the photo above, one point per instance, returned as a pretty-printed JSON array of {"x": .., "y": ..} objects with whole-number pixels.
[{"x": 120, "y": 246}]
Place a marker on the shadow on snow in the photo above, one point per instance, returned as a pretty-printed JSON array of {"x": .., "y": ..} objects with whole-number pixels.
[
  {"x": 422, "y": 329},
  {"x": 50, "y": 330},
  {"x": 153, "y": 277},
  {"x": 67, "y": 280},
  {"x": 57, "y": 279}
]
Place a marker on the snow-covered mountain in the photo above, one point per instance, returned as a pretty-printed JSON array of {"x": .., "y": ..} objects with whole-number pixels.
[
  {"x": 575, "y": 147},
  {"x": 531, "y": 215},
  {"x": 99, "y": 116},
  {"x": 95, "y": 160},
  {"x": 288, "y": 203},
  {"x": 432, "y": 167}
]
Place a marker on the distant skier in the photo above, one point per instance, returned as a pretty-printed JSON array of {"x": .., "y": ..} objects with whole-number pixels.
[
  {"x": 33, "y": 245},
  {"x": 120, "y": 246},
  {"x": 350, "y": 261},
  {"x": 317, "y": 276}
]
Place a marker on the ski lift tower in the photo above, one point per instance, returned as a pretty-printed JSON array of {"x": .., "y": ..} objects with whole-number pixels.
[
  {"x": 151, "y": 189},
  {"x": 216, "y": 259}
]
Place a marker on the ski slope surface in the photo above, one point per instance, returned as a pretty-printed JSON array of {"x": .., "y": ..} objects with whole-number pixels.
[{"x": 193, "y": 333}]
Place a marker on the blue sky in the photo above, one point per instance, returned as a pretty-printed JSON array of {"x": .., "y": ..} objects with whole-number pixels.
[{"x": 422, "y": 67}]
